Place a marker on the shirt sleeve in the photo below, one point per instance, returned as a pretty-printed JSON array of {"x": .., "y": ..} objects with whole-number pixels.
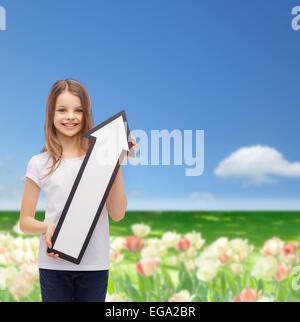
[{"x": 32, "y": 171}]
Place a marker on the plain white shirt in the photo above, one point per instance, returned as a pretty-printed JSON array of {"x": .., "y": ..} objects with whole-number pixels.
[{"x": 57, "y": 187}]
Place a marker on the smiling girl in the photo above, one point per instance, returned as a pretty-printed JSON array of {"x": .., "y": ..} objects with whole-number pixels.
[{"x": 54, "y": 170}]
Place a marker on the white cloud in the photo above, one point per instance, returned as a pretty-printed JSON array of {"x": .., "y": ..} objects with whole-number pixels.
[
  {"x": 255, "y": 165},
  {"x": 201, "y": 196},
  {"x": 138, "y": 193}
]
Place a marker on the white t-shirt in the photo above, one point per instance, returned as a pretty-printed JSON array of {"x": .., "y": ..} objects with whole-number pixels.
[{"x": 57, "y": 187}]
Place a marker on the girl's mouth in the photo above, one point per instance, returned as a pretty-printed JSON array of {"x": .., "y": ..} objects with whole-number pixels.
[{"x": 70, "y": 125}]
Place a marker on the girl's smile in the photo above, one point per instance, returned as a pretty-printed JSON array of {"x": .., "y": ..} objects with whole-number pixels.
[{"x": 70, "y": 125}]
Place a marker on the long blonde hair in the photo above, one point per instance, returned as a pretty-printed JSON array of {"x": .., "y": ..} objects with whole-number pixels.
[{"x": 52, "y": 144}]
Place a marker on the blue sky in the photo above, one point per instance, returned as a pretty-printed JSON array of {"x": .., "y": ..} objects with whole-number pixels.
[{"x": 230, "y": 68}]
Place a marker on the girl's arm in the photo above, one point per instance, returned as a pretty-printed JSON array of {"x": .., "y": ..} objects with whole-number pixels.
[
  {"x": 28, "y": 224},
  {"x": 116, "y": 202}
]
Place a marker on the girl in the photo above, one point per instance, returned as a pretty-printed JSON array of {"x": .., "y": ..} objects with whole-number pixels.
[{"x": 68, "y": 116}]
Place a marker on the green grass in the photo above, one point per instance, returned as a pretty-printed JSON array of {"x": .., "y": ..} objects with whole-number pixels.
[{"x": 256, "y": 226}]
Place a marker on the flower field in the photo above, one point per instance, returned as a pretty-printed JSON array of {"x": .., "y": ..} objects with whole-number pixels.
[
  {"x": 216, "y": 272},
  {"x": 170, "y": 267}
]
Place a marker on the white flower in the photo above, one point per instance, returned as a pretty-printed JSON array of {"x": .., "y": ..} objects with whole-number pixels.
[
  {"x": 221, "y": 244},
  {"x": 272, "y": 247},
  {"x": 29, "y": 256},
  {"x": 140, "y": 230},
  {"x": 118, "y": 243},
  {"x": 34, "y": 243},
  {"x": 154, "y": 242},
  {"x": 154, "y": 248},
  {"x": 238, "y": 245},
  {"x": 17, "y": 243},
  {"x": 148, "y": 252},
  {"x": 115, "y": 298},
  {"x": 239, "y": 249},
  {"x": 31, "y": 270},
  {"x": 265, "y": 268},
  {"x": 16, "y": 257},
  {"x": 207, "y": 271},
  {"x": 209, "y": 254},
  {"x": 4, "y": 258},
  {"x": 191, "y": 252},
  {"x": 22, "y": 285},
  {"x": 288, "y": 258},
  {"x": 5, "y": 239},
  {"x": 265, "y": 299},
  {"x": 17, "y": 229},
  {"x": 195, "y": 239},
  {"x": 236, "y": 268},
  {"x": 2, "y": 278},
  {"x": 190, "y": 265},
  {"x": 182, "y": 296},
  {"x": 170, "y": 239},
  {"x": 10, "y": 275}
]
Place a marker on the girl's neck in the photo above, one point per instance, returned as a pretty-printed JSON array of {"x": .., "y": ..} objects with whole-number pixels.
[{"x": 71, "y": 147}]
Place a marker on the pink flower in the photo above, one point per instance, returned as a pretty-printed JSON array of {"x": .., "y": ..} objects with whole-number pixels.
[
  {"x": 289, "y": 247},
  {"x": 116, "y": 256},
  {"x": 147, "y": 266},
  {"x": 243, "y": 255},
  {"x": 183, "y": 244},
  {"x": 247, "y": 295},
  {"x": 282, "y": 272},
  {"x": 134, "y": 243},
  {"x": 224, "y": 258}
]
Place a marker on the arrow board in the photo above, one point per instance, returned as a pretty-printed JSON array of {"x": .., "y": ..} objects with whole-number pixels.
[{"x": 109, "y": 145}]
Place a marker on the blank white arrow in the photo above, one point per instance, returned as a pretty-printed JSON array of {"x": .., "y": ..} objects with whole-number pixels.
[{"x": 91, "y": 187}]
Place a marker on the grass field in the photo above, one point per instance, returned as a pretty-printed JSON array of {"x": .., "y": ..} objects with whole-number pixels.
[{"x": 256, "y": 226}]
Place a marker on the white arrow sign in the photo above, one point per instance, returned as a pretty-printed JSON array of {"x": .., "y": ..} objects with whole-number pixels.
[{"x": 109, "y": 145}]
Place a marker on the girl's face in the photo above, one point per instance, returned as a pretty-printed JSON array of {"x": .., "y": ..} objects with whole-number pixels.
[{"x": 68, "y": 116}]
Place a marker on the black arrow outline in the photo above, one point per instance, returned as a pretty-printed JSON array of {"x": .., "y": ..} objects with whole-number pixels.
[{"x": 77, "y": 181}]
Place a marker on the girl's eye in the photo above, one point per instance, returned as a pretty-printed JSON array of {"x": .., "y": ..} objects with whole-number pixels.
[{"x": 62, "y": 109}]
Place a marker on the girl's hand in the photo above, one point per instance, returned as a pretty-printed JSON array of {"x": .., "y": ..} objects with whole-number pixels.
[
  {"x": 48, "y": 237},
  {"x": 133, "y": 149},
  {"x": 134, "y": 145}
]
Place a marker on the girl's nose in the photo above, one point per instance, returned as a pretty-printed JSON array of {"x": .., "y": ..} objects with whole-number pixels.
[{"x": 70, "y": 116}]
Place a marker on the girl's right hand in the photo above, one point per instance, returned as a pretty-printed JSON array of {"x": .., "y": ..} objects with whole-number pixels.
[{"x": 48, "y": 236}]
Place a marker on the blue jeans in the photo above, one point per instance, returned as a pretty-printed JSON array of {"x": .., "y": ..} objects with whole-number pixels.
[{"x": 73, "y": 286}]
